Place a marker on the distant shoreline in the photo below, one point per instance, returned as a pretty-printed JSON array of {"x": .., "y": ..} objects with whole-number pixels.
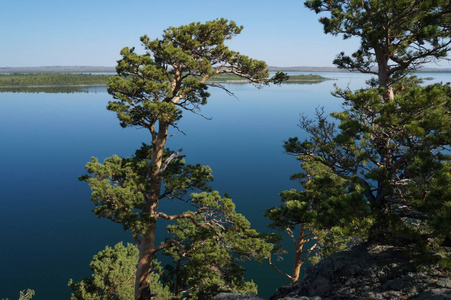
[
  {"x": 53, "y": 81},
  {"x": 53, "y": 86},
  {"x": 103, "y": 69},
  {"x": 58, "y": 69},
  {"x": 334, "y": 69}
]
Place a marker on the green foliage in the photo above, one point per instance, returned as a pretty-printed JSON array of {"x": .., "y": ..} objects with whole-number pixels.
[
  {"x": 24, "y": 295},
  {"x": 205, "y": 252},
  {"x": 331, "y": 208},
  {"x": 119, "y": 186},
  {"x": 396, "y": 36},
  {"x": 205, "y": 257},
  {"x": 114, "y": 276},
  {"x": 402, "y": 187},
  {"x": 160, "y": 290},
  {"x": 381, "y": 169},
  {"x": 173, "y": 74},
  {"x": 151, "y": 90}
]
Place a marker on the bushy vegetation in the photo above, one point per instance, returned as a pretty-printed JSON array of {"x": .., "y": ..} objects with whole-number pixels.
[{"x": 114, "y": 276}]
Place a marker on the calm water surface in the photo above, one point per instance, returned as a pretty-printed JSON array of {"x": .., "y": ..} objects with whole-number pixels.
[{"x": 47, "y": 232}]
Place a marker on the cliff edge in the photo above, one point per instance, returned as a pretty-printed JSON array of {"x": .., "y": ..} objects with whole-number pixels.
[{"x": 370, "y": 271}]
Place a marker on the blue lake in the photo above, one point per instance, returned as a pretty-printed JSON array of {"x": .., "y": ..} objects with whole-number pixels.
[{"x": 47, "y": 231}]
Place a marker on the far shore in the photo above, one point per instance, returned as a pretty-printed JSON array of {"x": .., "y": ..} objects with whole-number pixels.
[
  {"x": 52, "y": 86},
  {"x": 58, "y": 80},
  {"x": 103, "y": 69}
]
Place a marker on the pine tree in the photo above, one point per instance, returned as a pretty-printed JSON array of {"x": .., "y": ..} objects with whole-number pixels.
[
  {"x": 381, "y": 169},
  {"x": 396, "y": 37},
  {"x": 151, "y": 91},
  {"x": 114, "y": 275}
]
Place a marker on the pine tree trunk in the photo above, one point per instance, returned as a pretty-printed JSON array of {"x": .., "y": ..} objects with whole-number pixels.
[
  {"x": 147, "y": 245},
  {"x": 298, "y": 255},
  {"x": 297, "y": 265},
  {"x": 144, "y": 268},
  {"x": 383, "y": 148},
  {"x": 383, "y": 75}
]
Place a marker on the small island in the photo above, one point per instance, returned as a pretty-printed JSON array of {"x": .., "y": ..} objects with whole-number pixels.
[{"x": 298, "y": 79}]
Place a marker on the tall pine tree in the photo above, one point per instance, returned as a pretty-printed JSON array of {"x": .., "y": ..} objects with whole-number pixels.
[
  {"x": 381, "y": 170},
  {"x": 151, "y": 91}
]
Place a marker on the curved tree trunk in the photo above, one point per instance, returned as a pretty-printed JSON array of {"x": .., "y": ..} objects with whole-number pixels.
[{"x": 298, "y": 261}]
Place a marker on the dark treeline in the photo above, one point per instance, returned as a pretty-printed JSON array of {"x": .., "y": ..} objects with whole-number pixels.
[
  {"x": 48, "y": 89},
  {"x": 53, "y": 82},
  {"x": 299, "y": 79},
  {"x": 306, "y": 79},
  {"x": 51, "y": 79}
]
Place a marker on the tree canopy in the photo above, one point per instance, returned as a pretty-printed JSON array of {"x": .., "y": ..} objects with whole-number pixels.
[
  {"x": 396, "y": 37},
  {"x": 206, "y": 261},
  {"x": 399, "y": 182},
  {"x": 173, "y": 73}
]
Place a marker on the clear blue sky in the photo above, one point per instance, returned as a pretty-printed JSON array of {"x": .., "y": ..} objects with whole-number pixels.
[{"x": 82, "y": 32}]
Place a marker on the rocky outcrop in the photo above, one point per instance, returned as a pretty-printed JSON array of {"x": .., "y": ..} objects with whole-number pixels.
[
  {"x": 369, "y": 272},
  {"x": 236, "y": 296}
]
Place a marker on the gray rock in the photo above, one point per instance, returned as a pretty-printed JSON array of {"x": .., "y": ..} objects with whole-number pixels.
[
  {"x": 431, "y": 296},
  {"x": 369, "y": 271},
  {"x": 236, "y": 296},
  {"x": 445, "y": 282}
]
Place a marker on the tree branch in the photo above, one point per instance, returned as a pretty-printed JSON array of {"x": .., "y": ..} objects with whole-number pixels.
[
  {"x": 168, "y": 160},
  {"x": 278, "y": 270},
  {"x": 168, "y": 243},
  {"x": 190, "y": 216}
]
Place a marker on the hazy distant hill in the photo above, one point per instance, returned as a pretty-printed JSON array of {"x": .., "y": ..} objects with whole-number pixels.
[
  {"x": 97, "y": 69},
  {"x": 334, "y": 69},
  {"x": 306, "y": 69},
  {"x": 57, "y": 69}
]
